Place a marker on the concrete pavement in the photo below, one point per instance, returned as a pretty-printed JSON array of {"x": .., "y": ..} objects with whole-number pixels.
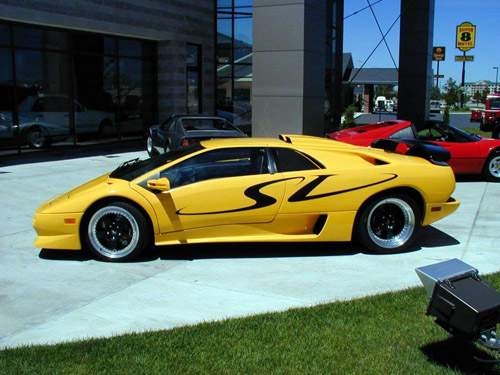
[{"x": 51, "y": 297}]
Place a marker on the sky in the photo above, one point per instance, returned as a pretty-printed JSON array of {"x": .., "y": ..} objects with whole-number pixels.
[{"x": 361, "y": 35}]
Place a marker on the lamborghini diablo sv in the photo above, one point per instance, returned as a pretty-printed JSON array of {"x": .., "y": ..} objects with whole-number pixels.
[{"x": 296, "y": 189}]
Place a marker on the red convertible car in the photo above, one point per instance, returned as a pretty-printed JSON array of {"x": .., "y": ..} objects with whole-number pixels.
[{"x": 470, "y": 153}]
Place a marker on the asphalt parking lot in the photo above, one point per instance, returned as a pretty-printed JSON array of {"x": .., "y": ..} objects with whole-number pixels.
[{"x": 49, "y": 297}]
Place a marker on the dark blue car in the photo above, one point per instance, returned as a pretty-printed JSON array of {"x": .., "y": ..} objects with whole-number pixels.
[{"x": 179, "y": 131}]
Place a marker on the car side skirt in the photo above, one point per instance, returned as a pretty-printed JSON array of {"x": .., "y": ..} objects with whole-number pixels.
[{"x": 286, "y": 227}]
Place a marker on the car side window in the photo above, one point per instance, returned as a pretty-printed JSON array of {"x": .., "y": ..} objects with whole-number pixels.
[
  {"x": 406, "y": 133},
  {"x": 223, "y": 163},
  {"x": 288, "y": 160}
]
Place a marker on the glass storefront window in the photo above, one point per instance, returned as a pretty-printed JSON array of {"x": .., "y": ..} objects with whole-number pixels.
[
  {"x": 7, "y": 131},
  {"x": 193, "y": 84},
  {"x": 96, "y": 97},
  {"x": 234, "y": 58},
  {"x": 130, "y": 83},
  {"x": 130, "y": 48},
  {"x": 4, "y": 35},
  {"x": 43, "y": 98},
  {"x": 25, "y": 36},
  {"x": 73, "y": 86}
]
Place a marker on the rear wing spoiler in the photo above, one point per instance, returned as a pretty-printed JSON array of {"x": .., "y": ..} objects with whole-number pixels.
[{"x": 429, "y": 151}]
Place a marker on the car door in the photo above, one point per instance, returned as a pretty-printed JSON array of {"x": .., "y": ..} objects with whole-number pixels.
[
  {"x": 53, "y": 111},
  {"x": 464, "y": 152},
  {"x": 220, "y": 187},
  {"x": 302, "y": 175}
]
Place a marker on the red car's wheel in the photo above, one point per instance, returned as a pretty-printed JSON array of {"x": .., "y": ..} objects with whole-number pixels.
[{"x": 491, "y": 170}]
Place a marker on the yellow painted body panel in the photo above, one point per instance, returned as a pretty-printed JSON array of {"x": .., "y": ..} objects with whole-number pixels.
[{"x": 223, "y": 210}]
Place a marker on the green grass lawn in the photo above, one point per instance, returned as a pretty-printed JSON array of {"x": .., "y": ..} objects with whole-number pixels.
[
  {"x": 478, "y": 132},
  {"x": 384, "y": 334}
]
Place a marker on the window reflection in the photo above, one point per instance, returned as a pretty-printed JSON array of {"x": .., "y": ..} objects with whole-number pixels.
[
  {"x": 193, "y": 78},
  {"x": 234, "y": 58},
  {"x": 43, "y": 98},
  {"x": 4, "y": 35},
  {"x": 130, "y": 81},
  {"x": 6, "y": 98},
  {"x": 95, "y": 99},
  {"x": 102, "y": 88}
]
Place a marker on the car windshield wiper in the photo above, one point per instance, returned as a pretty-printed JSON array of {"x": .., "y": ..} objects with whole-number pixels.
[{"x": 127, "y": 164}]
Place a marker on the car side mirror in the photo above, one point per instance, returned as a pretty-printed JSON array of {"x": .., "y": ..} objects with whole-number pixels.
[{"x": 160, "y": 184}]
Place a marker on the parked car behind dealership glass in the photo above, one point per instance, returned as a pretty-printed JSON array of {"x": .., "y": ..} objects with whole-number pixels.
[
  {"x": 43, "y": 118},
  {"x": 179, "y": 131}
]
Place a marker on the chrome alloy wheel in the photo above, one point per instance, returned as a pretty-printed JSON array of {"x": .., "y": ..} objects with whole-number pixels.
[
  {"x": 113, "y": 232},
  {"x": 149, "y": 145},
  {"x": 494, "y": 166},
  {"x": 391, "y": 223}
]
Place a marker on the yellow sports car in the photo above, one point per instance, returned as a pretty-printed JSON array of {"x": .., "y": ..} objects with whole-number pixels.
[{"x": 296, "y": 188}]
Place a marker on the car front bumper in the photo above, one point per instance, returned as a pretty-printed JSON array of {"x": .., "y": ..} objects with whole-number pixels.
[{"x": 57, "y": 231}]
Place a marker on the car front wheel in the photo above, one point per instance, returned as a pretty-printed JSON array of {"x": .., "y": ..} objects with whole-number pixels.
[
  {"x": 116, "y": 232},
  {"x": 149, "y": 146},
  {"x": 492, "y": 168},
  {"x": 388, "y": 224}
]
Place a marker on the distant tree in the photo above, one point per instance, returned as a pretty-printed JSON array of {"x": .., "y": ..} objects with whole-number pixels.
[
  {"x": 478, "y": 97},
  {"x": 446, "y": 116},
  {"x": 484, "y": 94},
  {"x": 452, "y": 92},
  {"x": 435, "y": 93},
  {"x": 348, "y": 118},
  {"x": 385, "y": 90}
]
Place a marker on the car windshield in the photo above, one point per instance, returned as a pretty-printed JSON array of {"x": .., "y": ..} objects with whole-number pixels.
[
  {"x": 134, "y": 168},
  {"x": 495, "y": 103},
  {"x": 195, "y": 124}
]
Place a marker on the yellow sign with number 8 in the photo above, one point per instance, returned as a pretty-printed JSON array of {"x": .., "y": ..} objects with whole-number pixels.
[{"x": 466, "y": 36}]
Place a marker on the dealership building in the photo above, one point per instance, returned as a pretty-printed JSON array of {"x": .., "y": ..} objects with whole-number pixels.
[{"x": 83, "y": 72}]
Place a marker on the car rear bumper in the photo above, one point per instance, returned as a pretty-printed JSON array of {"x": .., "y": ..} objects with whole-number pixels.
[
  {"x": 57, "y": 231},
  {"x": 437, "y": 211}
]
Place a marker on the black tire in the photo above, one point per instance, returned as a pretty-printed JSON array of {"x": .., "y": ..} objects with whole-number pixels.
[
  {"x": 116, "y": 232},
  {"x": 36, "y": 138},
  {"x": 388, "y": 224},
  {"x": 491, "y": 169}
]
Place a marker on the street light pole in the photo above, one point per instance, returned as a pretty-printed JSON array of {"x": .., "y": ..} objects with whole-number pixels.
[{"x": 496, "y": 78}]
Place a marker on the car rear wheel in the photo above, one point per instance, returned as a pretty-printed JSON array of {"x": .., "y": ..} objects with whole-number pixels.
[
  {"x": 116, "y": 232},
  {"x": 388, "y": 224},
  {"x": 36, "y": 138},
  {"x": 492, "y": 168}
]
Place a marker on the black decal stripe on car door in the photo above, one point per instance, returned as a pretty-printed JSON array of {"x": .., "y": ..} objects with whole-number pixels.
[
  {"x": 302, "y": 194},
  {"x": 253, "y": 192}
]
